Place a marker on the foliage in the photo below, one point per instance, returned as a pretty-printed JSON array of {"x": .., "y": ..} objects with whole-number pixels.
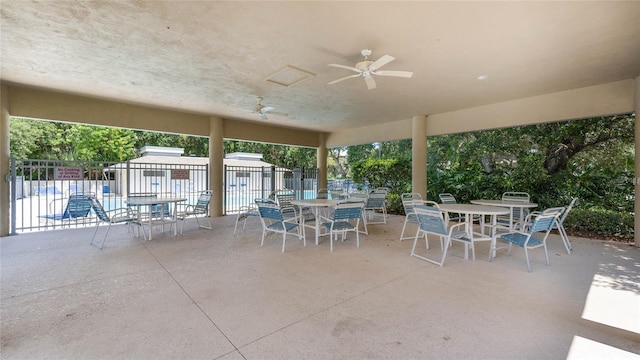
[
  {"x": 394, "y": 174},
  {"x": 47, "y": 140},
  {"x": 607, "y": 223},
  {"x": 285, "y": 156},
  {"x": 592, "y": 159},
  {"x": 29, "y": 137}
]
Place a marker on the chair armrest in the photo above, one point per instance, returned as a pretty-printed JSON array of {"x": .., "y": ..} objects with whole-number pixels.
[
  {"x": 452, "y": 227},
  {"x": 324, "y": 218},
  {"x": 288, "y": 209}
]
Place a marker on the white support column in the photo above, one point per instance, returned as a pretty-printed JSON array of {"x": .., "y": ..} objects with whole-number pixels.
[
  {"x": 322, "y": 161},
  {"x": 419, "y": 155},
  {"x": 216, "y": 167},
  {"x": 4, "y": 162},
  {"x": 636, "y": 180}
]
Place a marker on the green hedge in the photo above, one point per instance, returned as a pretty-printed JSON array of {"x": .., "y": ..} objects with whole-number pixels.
[{"x": 607, "y": 223}]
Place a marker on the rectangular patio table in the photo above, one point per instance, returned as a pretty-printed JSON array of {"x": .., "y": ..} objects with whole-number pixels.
[
  {"x": 316, "y": 204},
  {"x": 139, "y": 202},
  {"x": 473, "y": 209}
]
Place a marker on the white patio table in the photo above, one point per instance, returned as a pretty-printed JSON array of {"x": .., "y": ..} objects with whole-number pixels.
[
  {"x": 316, "y": 204},
  {"x": 508, "y": 204},
  {"x": 473, "y": 209},
  {"x": 139, "y": 202}
]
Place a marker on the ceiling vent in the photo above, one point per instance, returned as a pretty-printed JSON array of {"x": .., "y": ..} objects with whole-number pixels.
[{"x": 289, "y": 76}]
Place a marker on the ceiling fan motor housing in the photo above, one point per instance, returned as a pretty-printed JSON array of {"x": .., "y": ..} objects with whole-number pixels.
[{"x": 364, "y": 65}]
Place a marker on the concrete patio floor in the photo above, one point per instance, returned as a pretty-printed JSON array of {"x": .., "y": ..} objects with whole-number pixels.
[{"x": 212, "y": 295}]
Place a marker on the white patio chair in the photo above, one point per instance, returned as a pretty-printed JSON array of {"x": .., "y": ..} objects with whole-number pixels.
[
  {"x": 518, "y": 213},
  {"x": 273, "y": 220},
  {"x": 432, "y": 221},
  {"x": 200, "y": 209},
  {"x": 345, "y": 218},
  {"x": 249, "y": 211},
  {"x": 376, "y": 203},
  {"x": 116, "y": 216},
  {"x": 283, "y": 199},
  {"x": 560, "y": 224},
  {"x": 447, "y": 198},
  {"x": 407, "y": 204},
  {"x": 542, "y": 224},
  {"x": 245, "y": 212}
]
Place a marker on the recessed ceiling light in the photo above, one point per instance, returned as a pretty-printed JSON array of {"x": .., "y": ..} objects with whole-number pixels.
[{"x": 483, "y": 77}]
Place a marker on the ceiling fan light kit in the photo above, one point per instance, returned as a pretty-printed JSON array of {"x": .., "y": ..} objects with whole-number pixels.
[
  {"x": 262, "y": 109},
  {"x": 366, "y": 68}
]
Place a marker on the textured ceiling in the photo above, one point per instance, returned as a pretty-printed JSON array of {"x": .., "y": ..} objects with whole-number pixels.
[{"x": 213, "y": 57}]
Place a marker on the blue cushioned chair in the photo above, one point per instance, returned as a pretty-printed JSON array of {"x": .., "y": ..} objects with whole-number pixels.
[
  {"x": 273, "y": 220},
  {"x": 525, "y": 239},
  {"x": 116, "y": 216},
  {"x": 345, "y": 218},
  {"x": 431, "y": 221}
]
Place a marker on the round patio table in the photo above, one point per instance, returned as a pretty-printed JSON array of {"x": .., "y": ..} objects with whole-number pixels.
[
  {"x": 508, "y": 204},
  {"x": 316, "y": 204},
  {"x": 473, "y": 209}
]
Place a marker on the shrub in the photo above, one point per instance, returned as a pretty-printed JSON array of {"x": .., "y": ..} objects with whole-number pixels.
[
  {"x": 607, "y": 223},
  {"x": 394, "y": 204}
]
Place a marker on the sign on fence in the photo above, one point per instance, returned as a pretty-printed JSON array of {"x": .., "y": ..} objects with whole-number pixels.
[
  {"x": 68, "y": 173},
  {"x": 180, "y": 174}
]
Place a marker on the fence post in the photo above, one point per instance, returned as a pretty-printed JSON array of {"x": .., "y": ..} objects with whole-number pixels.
[
  {"x": 13, "y": 196},
  {"x": 273, "y": 179}
]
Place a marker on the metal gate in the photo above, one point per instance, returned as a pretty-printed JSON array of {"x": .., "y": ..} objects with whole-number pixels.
[
  {"x": 244, "y": 184},
  {"x": 39, "y": 189}
]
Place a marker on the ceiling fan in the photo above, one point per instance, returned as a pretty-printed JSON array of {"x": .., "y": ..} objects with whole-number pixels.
[
  {"x": 366, "y": 68},
  {"x": 262, "y": 110}
]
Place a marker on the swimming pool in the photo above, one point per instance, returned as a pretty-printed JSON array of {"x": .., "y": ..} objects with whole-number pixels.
[{"x": 233, "y": 200}]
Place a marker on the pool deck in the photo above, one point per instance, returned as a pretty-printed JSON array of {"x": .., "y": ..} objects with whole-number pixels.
[{"x": 210, "y": 294}]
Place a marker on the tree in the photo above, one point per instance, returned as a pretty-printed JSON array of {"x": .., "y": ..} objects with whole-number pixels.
[{"x": 28, "y": 138}]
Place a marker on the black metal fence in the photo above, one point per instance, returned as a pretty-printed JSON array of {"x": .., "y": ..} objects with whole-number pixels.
[
  {"x": 244, "y": 184},
  {"x": 40, "y": 189}
]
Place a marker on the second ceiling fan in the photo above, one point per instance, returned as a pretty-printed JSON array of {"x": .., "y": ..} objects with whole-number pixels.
[{"x": 367, "y": 68}]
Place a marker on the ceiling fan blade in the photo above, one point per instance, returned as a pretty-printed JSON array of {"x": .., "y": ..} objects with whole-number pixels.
[
  {"x": 344, "y": 78},
  {"x": 384, "y": 60},
  {"x": 345, "y": 67},
  {"x": 371, "y": 84},
  {"x": 404, "y": 74},
  {"x": 266, "y": 109}
]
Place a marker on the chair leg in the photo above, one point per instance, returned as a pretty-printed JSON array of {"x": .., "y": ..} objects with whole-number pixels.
[
  {"x": 526, "y": 256},
  {"x": 208, "y": 227},
  {"x": 447, "y": 241},
  {"x": 94, "y": 237},
  {"x": 238, "y": 218},
  {"x": 403, "y": 228},
  {"x": 565, "y": 238},
  {"x": 415, "y": 242},
  {"x": 546, "y": 253},
  {"x": 284, "y": 239}
]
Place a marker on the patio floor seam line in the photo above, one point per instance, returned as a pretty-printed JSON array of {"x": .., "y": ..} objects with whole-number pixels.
[
  {"x": 192, "y": 300},
  {"x": 75, "y": 284}
]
